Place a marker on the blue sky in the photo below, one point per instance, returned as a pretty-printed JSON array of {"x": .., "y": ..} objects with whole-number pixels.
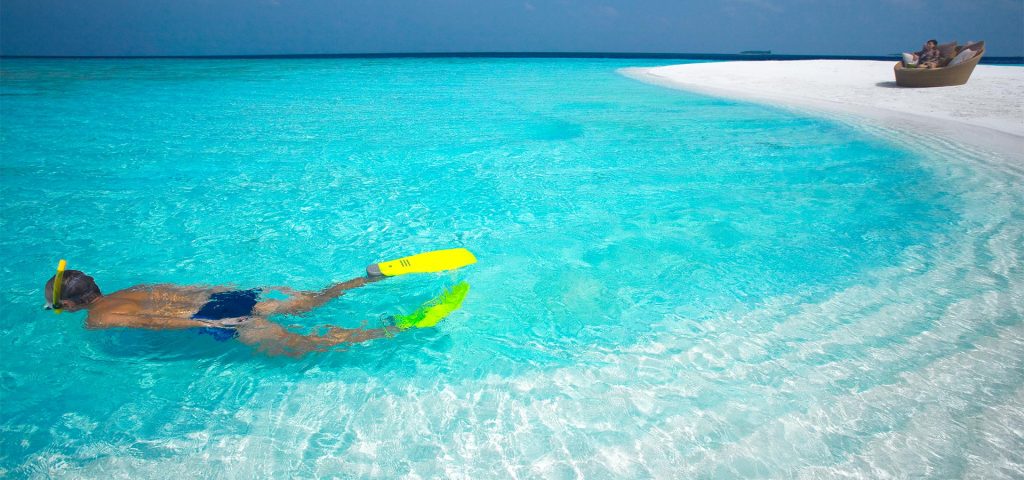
[{"x": 232, "y": 27}]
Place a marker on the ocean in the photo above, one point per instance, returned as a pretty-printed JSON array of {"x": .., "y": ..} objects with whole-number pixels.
[{"x": 669, "y": 285}]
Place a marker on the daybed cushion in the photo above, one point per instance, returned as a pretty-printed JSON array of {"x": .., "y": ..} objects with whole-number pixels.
[
  {"x": 909, "y": 60},
  {"x": 965, "y": 55},
  {"x": 947, "y": 50},
  {"x": 976, "y": 46}
]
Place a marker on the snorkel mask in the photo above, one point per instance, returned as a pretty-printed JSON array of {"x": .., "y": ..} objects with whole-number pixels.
[{"x": 57, "y": 281}]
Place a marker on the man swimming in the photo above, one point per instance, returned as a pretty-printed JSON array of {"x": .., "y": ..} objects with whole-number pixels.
[{"x": 227, "y": 313}]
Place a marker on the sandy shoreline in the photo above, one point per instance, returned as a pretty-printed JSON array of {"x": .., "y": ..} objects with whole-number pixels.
[{"x": 987, "y": 112}]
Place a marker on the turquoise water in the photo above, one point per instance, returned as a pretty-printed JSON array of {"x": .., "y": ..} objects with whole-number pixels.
[{"x": 670, "y": 285}]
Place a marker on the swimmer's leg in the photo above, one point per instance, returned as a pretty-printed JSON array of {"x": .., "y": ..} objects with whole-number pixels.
[
  {"x": 304, "y": 301},
  {"x": 273, "y": 339}
]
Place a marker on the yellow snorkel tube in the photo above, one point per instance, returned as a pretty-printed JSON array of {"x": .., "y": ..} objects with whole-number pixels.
[{"x": 57, "y": 281}]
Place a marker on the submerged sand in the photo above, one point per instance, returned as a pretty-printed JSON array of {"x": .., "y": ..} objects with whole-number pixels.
[{"x": 987, "y": 112}]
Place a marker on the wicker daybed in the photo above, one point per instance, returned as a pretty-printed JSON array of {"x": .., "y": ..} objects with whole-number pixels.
[{"x": 940, "y": 77}]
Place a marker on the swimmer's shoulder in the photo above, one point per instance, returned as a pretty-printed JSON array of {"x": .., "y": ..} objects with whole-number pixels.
[{"x": 112, "y": 309}]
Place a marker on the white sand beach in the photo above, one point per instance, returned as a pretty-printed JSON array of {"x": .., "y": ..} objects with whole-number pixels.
[{"x": 987, "y": 112}]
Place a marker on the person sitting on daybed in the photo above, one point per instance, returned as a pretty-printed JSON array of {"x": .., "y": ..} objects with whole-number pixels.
[{"x": 928, "y": 57}]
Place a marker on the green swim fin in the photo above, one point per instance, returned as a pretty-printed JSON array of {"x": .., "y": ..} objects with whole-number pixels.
[{"x": 434, "y": 310}]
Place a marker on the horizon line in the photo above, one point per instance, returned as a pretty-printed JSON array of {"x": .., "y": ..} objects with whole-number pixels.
[{"x": 512, "y": 54}]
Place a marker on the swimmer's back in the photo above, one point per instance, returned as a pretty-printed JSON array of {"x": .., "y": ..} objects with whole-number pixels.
[{"x": 150, "y": 306}]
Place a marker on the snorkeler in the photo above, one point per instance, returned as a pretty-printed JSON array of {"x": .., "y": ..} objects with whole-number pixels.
[{"x": 227, "y": 313}]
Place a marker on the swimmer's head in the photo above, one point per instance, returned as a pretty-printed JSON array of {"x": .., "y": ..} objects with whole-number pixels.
[{"x": 76, "y": 291}]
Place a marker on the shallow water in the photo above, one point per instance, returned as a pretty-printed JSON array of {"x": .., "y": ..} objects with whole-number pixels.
[{"x": 670, "y": 285}]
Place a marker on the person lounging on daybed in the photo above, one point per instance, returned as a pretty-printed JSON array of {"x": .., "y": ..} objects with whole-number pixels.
[{"x": 928, "y": 57}]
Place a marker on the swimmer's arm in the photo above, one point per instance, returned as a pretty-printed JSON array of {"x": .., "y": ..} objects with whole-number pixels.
[
  {"x": 148, "y": 322},
  {"x": 304, "y": 301}
]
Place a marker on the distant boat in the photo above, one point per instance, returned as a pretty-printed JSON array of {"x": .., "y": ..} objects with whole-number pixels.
[{"x": 756, "y": 52}]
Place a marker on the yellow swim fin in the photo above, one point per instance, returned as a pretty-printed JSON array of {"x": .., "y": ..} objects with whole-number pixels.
[{"x": 436, "y": 261}]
